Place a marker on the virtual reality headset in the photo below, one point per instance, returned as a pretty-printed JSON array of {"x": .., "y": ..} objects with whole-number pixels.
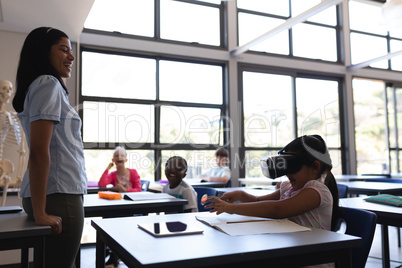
[
  {"x": 288, "y": 162},
  {"x": 279, "y": 165}
]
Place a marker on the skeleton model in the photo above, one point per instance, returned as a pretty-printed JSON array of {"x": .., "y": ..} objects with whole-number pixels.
[{"x": 11, "y": 133}]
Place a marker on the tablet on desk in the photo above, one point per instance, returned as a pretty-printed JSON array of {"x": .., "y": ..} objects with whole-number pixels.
[
  {"x": 10, "y": 209},
  {"x": 170, "y": 228}
]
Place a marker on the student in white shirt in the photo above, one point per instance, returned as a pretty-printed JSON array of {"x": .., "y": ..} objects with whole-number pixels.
[{"x": 221, "y": 172}]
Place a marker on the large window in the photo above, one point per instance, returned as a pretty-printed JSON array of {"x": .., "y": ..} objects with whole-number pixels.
[
  {"x": 377, "y": 119},
  {"x": 154, "y": 107},
  {"x": 370, "y": 38},
  {"x": 160, "y": 78},
  {"x": 314, "y": 39},
  {"x": 190, "y": 21},
  {"x": 271, "y": 119}
]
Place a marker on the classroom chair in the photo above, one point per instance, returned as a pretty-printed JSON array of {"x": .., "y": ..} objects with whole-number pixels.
[
  {"x": 200, "y": 192},
  {"x": 342, "y": 190},
  {"x": 144, "y": 185},
  {"x": 361, "y": 223}
]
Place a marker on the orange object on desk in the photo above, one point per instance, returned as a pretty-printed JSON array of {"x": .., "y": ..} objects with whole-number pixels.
[{"x": 109, "y": 195}]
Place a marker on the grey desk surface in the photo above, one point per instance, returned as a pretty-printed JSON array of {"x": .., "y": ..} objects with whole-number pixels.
[
  {"x": 138, "y": 248},
  {"x": 98, "y": 207},
  {"x": 251, "y": 190},
  {"x": 16, "y": 225},
  {"x": 366, "y": 187}
]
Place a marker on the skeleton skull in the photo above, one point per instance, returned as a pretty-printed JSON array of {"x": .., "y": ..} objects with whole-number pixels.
[{"x": 6, "y": 89}]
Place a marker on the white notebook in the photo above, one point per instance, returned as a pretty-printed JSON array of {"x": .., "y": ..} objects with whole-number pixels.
[{"x": 234, "y": 225}]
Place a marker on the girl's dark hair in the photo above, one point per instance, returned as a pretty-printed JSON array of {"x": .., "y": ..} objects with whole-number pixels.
[
  {"x": 35, "y": 61},
  {"x": 313, "y": 147},
  {"x": 180, "y": 162}
]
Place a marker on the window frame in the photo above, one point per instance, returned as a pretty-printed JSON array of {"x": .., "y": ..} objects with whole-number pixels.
[
  {"x": 294, "y": 75},
  {"x": 156, "y": 145}
]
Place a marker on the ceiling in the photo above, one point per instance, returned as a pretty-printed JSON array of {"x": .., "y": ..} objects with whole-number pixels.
[{"x": 25, "y": 15}]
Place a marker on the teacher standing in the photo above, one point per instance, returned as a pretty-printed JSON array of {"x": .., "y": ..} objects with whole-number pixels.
[{"x": 55, "y": 181}]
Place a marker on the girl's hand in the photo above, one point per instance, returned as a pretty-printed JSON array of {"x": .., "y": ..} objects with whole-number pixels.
[
  {"x": 232, "y": 197},
  {"x": 53, "y": 221},
  {"x": 110, "y": 166},
  {"x": 119, "y": 188},
  {"x": 219, "y": 206}
]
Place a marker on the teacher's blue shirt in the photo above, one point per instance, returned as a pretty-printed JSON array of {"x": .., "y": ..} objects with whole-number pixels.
[{"x": 47, "y": 100}]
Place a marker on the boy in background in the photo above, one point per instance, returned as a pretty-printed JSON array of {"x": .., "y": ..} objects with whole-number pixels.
[
  {"x": 175, "y": 171},
  {"x": 221, "y": 172}
]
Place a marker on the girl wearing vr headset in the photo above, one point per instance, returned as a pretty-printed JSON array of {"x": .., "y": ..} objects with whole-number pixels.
[{"x": 309, "y": 197}]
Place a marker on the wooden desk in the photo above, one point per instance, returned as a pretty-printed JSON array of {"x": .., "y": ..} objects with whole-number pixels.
[
  {"x": 17, "y": 232},
  {"x": 97, "y": 207},
  {"x": 373, "y": 188},
  {"x": 213, "y": 248},
  {"x": 386, "y": 216}
]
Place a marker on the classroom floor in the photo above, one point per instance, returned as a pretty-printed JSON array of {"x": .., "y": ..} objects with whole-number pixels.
[{"x": 374, "y": 260}]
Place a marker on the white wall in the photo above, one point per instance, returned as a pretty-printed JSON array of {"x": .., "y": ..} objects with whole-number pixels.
[{"x": 10, "y": 47}]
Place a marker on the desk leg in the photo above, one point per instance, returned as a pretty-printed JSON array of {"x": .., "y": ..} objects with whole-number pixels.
[
  {"x": 385, "y": 246},
  {"x": 24, "y": 257},
  {"x": 39, "y": 252},
  {"x": 100, "y": 252},
  {"x": 78, "y": 258}
]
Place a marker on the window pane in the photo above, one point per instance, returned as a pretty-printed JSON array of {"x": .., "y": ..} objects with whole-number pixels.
[
  {"x": 365, "y": 47},
  {"x": 280, "y": 8},
  {"x": 125, "y": 16},
  {"x": 118, "y": 122},
  {"x": 253, "y": 26},
  {"x": 190, "y": 23},
  {"x": 106, "y": 75},
  {"x": 369, "y": 115},
  {"x": 267, "y": 101},
  {"x": 394, "y": 162},
  {"x": 314, "y": 42},
  {"x": 399, "y": 115},
  {"x": 397, "y": 33},
  {"x": 96, "y": 162},
  {"x": 190, "y": 125},
  {"x": 252, "y": 164},
  {"x": 327, "y": 16},
  {"x": 391, "y": 117},
  {"x": 198, "y": 162},
  {"x": 365, "y": 17},
  {"x": 318, "y": 109},
  {"x": 336, "y": 161},
  {"x": 396, "y": 62},
  {"x": 190, "y": 82}
]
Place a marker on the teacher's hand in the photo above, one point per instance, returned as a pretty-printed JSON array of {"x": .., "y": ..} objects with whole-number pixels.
[{"x": 54, "y": 222}]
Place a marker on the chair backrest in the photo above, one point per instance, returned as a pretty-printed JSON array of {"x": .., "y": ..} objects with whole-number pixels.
[
  {"x": 144, "y": 185},
  {"x": 342, "y": 190},
  {"x": 200, "y": 192},
  {"x": 359, "y": 223}
]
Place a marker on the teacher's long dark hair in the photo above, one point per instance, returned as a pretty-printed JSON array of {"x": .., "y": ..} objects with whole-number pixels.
[{"x": 35, "y": 61}]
